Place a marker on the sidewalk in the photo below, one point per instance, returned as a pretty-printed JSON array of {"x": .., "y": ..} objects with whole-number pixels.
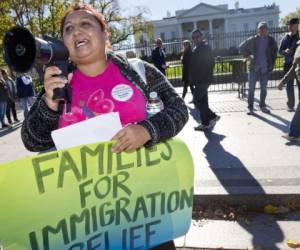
[
  {"x": 244, "y": 161},
  {"x": 244, "y": 154},
  {"x": 11, "y": 145}
]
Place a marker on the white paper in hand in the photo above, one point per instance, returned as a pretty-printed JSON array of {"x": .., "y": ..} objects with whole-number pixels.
[{"x": 97, "y": 129}]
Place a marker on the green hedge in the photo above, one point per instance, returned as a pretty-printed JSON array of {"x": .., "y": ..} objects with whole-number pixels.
[{"x": 224, "y": 67}]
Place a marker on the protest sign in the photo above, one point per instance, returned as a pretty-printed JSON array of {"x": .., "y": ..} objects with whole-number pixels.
[{"x": 87, "y": 198}]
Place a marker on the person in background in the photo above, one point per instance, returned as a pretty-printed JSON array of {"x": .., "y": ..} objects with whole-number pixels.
[
  {"x": 3, "y": 101},
  {"x": 201, "y": 75},
  {"x": 103, "y": 82},
  {"x": 25, "y": 91},
  {"x": 287, "y": 48},
  {"x": 12, "y": 95},
  {"x": 186, "y": 59},
  {"x": 159, "y": 57},
  {"x": 261, "y": 51},
  {"x": 294, "y": 133}
]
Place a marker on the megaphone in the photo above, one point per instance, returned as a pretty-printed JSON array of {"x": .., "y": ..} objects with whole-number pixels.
[{"x": 22, "y": 50}]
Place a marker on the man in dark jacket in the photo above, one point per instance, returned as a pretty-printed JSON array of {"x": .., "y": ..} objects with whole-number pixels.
[
  {"x": 12, "y": 95},
  {"x": 3, "y": 101},
  {"x": 294, "y": 133},
  {"x": 287, "y": 48},
  {"x": 201, "y": 74},
  {"x": 261, "y": 51},
  {"x": 159, "y": 57}
]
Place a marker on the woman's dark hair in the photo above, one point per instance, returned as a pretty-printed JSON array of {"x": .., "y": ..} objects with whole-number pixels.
[{"x": 85, "y": 7}]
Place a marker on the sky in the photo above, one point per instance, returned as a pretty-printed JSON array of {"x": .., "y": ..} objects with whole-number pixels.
[{"x": 159, "y": 8}]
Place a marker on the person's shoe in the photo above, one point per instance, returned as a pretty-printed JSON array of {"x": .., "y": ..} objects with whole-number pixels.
[
  {"x": 10, "y": 122},
  {"x": 5, "y": 125},
  {"x": 202, "y": 127},
  {"x": 213, "y": 121},
  {"x": 17, "y": 120},
  {"x": 265, "y": 110},
  {"x": 290, "y": 138},
  {"x": 290, "y": 109},
  {"x": 250, "y": 112},
  {"x": 217, "y": 118}
]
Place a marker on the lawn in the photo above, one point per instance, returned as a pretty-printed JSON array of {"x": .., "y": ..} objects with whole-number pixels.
[{"x": 221, "y": 67}]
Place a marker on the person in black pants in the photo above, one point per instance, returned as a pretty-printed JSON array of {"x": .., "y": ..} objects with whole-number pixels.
[
  {"x": 186, "y": 59},
  {"x": 3, "y": 101},
  {"x": 12, "y": 95},
  {"x": 287, "y": 48},
  {"x": 159, "y": 57},
  {"x": 201, "y": 73}
]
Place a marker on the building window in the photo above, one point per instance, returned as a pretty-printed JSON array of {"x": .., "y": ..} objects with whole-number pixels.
[
  {"x": 162, "y": 36},
  {"x": 246, "y": 26},
  {"x": 271, "y": 24}
]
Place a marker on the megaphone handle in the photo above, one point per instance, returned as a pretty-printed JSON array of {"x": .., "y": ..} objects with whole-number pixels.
[
  {"x": 63, "y": 66},
  {"x": 59, "y": 93}
]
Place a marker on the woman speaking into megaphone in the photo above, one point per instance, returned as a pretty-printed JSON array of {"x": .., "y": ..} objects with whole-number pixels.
[{"x": 103, "y": 82}]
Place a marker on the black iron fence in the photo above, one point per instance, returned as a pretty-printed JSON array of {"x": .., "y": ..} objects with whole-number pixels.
[
  {"x": 230, "y": 74},
  {"x": 223, "y": 44},
  {"x": 230, "y": 71}
]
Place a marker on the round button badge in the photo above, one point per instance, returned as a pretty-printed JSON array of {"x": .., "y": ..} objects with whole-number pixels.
[{"x": 122, "y": 92}]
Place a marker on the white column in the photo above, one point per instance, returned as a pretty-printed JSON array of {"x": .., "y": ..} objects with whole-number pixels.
[
  {"x": 210, "y": 27},
  {"x": 180, "y": 31},
  {"x": 194, "y": 25},
  {"x": 225, "y": 41}
]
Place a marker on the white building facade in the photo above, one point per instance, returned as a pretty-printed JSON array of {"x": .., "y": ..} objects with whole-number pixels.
[{"x": 213, "y": 20}]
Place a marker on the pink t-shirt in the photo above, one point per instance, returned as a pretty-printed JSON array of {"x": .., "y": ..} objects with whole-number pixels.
[{"x": 107, "y": 92}]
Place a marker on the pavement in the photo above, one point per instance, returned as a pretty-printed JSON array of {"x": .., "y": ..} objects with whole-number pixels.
[
  {"x": 245, "y": 155},
  {"x": 243, "y": 161}
]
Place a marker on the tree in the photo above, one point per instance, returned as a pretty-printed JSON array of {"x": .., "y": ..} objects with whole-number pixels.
[
  {"x": 122, "y": 26},
  {"x": 57, "y": 9},
  {"x": 39, "y": 16},
  {"x": 6, "y": 23},
  {"x": 43, "y": 17},
  {"x": 295, "y": 14}
]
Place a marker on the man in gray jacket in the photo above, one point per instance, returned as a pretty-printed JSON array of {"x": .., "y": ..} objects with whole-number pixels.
[{"x": 261, "y": 51}]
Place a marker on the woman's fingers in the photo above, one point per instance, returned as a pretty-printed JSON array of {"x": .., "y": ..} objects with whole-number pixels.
[
  {"x": 119, "y": 135},
  {"x": 51, "y": 71},
  {"x": 130, "y": 138},
  {"x": 54, "y": 86},
  {"x": 121, "y": 145},
  {"x": 52, "y": 80}
]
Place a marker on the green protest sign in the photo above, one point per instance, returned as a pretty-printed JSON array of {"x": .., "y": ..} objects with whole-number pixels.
[{"x": 88, "y": 198}]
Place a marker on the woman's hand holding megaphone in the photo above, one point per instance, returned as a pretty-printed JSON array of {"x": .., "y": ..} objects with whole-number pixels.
[{"x": 53, "y": 80}]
